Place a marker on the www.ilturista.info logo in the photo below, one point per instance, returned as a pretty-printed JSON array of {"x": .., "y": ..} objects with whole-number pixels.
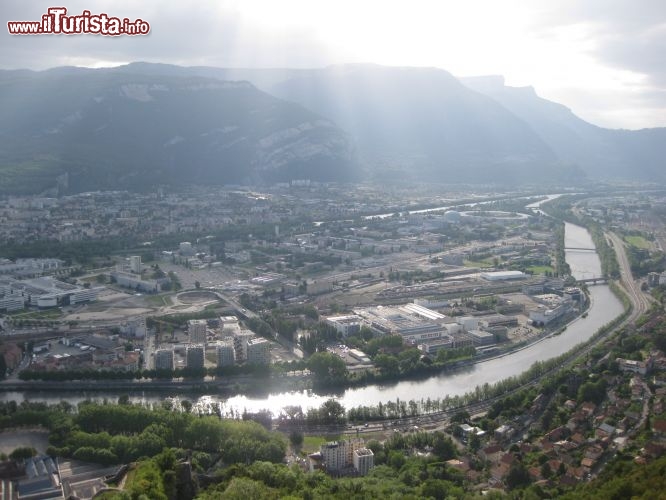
[{"x": 56, "y": 22}]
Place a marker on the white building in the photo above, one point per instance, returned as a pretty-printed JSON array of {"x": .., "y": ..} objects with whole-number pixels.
[
  {"x": 346, "y": 325},
  {"x": 164, "y": 359},
  {"x": 543, "y": 315},
  {"x": 414, "y": 323},
  {"x": 84, "y": 295},
  {"x": 10, "y": 302},
  {"x": 258, "y": 351},
  {"x": 338, "y": 455},
  {"x": 197, "y": 330},
  {"x": 46, "y": 292},
  {"x": 363, "y": 460},
  {"x": 135, "y": 264},
  {"x": 241, "y": 339},
  {"x": 226, "y": 355},
  {"x": 468, "y": 322},
  {"x": 503, "y": 275},
  {"x": 134, "y": 282}
]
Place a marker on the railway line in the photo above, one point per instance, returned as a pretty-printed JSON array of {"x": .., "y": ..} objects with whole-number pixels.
[{"x": 640, "y": 304}]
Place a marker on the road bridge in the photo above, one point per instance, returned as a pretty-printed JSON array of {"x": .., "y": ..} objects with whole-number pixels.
[{"x": 592, "y": 281}]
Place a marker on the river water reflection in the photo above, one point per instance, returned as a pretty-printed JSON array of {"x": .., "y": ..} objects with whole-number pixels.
[{"x": 584, "y": 264}]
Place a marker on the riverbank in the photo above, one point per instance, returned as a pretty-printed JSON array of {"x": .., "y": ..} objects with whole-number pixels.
[
  {"x": 242, "y": 384},
  {"x": 604, "y": 308}
]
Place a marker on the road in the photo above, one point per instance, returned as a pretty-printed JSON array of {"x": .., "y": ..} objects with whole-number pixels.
[
  {"x": 639, "y": 299},
  {"x": 640, "y": 302}
]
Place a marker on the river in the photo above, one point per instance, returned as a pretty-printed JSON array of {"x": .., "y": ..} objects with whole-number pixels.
[{"x": 584, "y": 264}]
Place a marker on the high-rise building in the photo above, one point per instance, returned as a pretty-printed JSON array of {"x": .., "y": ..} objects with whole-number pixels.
[
  {"x": 258, "y": 352},
  {"x": 194, "y": 356},
  {"x": 240, "y": 343},
  {"x": 135, "y": 264},
  {"x": 226, "y": 355},
  {"x": 197, "y": 330},
  {"x": 364, "y": 460},
  {"x": 164, "y": 359},
  {"x": 338, "y": 455}
]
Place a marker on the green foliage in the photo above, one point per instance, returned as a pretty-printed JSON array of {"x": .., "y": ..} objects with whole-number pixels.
[
  {"x": 518, "y": 476},
  {"x": 642, "y": 261},
  {"x": 122, "y": 433},
  {"x": 330, "y": 412},
  {"x": 624, "y": 480},
  {"x": 147, "y": 480},
  {"x": 327, "y": 367},
  {"x": 22, "y": 452},
  {"x": 594, "y": 392}
]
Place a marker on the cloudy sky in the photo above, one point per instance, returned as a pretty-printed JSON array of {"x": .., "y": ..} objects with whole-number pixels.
[{"x": 605, "y": 59}]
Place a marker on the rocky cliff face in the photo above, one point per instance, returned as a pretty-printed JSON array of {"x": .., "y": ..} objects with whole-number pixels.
[{"x": 110, "y": 129}]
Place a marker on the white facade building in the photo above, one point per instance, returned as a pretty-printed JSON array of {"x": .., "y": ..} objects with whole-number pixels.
[
  {"x": 258, "y": 352},
  {"x": 346, "y": 325},
  {"x": 240, "y": 343},
  {"x": 135, "y": 264},
  {"x": 197, "y": 330},
  {"x": 338, "y": 455},
  {"x": 226, "y": 355},
  {"x": 364, "y": 460}
]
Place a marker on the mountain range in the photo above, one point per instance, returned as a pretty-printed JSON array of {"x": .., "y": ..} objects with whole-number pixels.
[{"x": 143, "y": 124}]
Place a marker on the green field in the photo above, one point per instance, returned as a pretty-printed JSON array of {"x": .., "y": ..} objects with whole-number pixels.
[
  {"x": 540, "y": 269},
  {"x": 478, "y": 263},
  {"x": 313, "y": 443},
  {"x": 637, "y": 241},
  {"x": 158, "y": 300}
]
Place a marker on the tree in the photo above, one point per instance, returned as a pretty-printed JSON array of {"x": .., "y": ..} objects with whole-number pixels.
[
  {"x": 387, "y": 364},
  {"x": 474, "y": 442},
  {"x": 443, "y": 447},
  {"x": 332, "y": 411},
  {"x": 23, "y": 452},
  {"x": 296, "y": 439},
  {"x": 326, "y": 366},
  {"x": 518, "y": 476}
]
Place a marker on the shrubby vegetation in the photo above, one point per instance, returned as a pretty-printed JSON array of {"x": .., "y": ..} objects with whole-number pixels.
[{"x": 109, "y": 433}]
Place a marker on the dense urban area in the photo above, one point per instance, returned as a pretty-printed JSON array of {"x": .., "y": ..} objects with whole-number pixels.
[{"x": 145, "y": 316}]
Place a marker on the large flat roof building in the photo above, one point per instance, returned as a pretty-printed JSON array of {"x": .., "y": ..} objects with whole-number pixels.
[
  {"x": 346, "y": 325},
  {"x": 46, "y": 292},
  {"x": 411, "y": 321},
  {"x": 503, "y": 275}
]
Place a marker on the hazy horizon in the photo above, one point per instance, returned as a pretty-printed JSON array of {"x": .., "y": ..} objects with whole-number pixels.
[{"x": 603, "y": 60}]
